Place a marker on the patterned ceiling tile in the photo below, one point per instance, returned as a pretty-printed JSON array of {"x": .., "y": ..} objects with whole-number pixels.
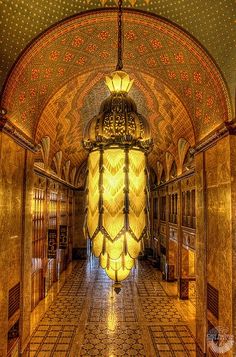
[
  {"x": 69, "y": 110},
  {"x": 88, "y": 43},
  {"x": 212, "y": 22}
]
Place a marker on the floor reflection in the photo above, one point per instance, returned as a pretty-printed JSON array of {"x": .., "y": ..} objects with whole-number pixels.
[{"x": 88, "y": 318}]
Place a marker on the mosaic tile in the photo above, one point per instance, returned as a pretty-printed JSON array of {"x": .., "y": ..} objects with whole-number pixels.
[
  {"x": 160, "y": 310},
  {"x": 142, "y": 318},
  {"x": 122, "y": 309},
  {"x": 168, "y": 340},
  {"x": 65, "y": 310},
  {"x": 117, "y": 341},
  {"x": 53, "y": 340},
  {"x": 146, "y": 289}
]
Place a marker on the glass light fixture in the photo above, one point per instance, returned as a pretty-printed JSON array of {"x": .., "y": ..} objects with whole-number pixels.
[{"x": 118, "y": 140}]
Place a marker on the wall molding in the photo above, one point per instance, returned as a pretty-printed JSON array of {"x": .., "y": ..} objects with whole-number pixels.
[
  {"x": 17, "y": 135},
  {"x": 184, "y": 175},
  {"x": 225, "y": 129},
  {"x": 41, "y": 172}
]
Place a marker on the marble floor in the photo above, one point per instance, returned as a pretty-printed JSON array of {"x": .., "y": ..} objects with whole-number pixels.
[{"x": 87, "y": 318}]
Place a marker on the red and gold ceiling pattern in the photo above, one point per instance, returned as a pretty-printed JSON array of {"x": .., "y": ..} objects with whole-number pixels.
[
  {"x": 89, "y": 42},
  {"x": 66, "y": 114},
  {"x": 211, "y": 22},
  {"x": 75, "y": 55}
]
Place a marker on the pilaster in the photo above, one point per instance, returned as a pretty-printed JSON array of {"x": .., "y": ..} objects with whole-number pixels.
[
  {"x": 26, "y": 250},
  {"x": 201, "y": 240}
]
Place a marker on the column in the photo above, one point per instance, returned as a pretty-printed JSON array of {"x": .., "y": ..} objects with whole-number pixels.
[
  {"x": 184, "y": 223},
  {"x": 176, "y": 207},
  {"x": 26, "y": 251},
  {"x": 170, "y": 266},
  {"x": 201, "y": 237},
  {"x": 183, "y": 283},
  {"x": 190, "y": 223},
  {"x": 184, "y": 276}
]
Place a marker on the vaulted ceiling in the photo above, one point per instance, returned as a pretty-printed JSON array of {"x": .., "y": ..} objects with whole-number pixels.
[
  {"x": 57, "y": 85},
  {"x": 211, "y": 22}
]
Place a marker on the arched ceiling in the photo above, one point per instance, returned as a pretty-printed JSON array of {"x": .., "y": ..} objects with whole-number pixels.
[
  {"x": 68, "y": 111},
  {"x": 212, "y": 22},
  {"x": 88, "y": 42},
  {"x": 57, "y": 84}
]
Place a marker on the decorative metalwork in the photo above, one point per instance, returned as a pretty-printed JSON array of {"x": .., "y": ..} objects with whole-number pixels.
[{"x": 118, "y": 139}]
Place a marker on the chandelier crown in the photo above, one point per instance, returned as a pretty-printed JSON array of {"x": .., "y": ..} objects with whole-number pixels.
[
  {"x": 118, "y": 122},
  {"x": 119, "y": 81}
]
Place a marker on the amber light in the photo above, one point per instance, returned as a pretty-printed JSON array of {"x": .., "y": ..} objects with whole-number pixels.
[
  {"x": 118, "y": 139},
  {"x": 116, "y": 230},
  {"x": 119, "y": 81}
]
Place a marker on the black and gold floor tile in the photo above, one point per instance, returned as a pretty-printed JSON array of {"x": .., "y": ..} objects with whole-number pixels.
[{"x": 88, "y": 319}]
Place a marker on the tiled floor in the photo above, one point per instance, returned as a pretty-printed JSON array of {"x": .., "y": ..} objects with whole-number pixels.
[{"x": 87, "y": 318}]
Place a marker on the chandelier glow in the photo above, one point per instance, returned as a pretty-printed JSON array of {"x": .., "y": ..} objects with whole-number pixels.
[{"x": 118, "y": 139}]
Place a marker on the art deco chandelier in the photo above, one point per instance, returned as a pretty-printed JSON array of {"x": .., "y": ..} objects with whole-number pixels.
[{"x": 118, "y": 140}]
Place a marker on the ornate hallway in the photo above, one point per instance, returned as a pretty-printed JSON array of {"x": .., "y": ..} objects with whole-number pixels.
[{"x": 86, "y": 318}]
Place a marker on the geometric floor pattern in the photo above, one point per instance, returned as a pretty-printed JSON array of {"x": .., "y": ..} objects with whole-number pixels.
[
  {"x": 160, "y": 309},
  {"x": 123, "y": 342},
  {"x": 124, "y": 310},
  {"x": 52, "y": 340},
  {"x": 174, "y": 340},
  {"x": 87, "y": 318}
]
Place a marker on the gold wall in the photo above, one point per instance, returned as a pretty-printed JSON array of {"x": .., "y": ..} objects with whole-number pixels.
[
  {"x": 215, "y": 238},
  {"x": 204, "y": 232},
  {"x": 12, "y": 165},
  {"x": 26, "y": 213}
]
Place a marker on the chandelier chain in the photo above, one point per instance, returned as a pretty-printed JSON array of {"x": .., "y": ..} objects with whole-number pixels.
[{"x": 120, "y": 37}]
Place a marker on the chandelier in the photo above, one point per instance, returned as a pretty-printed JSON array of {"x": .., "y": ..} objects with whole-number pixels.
[{"x": 118, "y": 140}]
